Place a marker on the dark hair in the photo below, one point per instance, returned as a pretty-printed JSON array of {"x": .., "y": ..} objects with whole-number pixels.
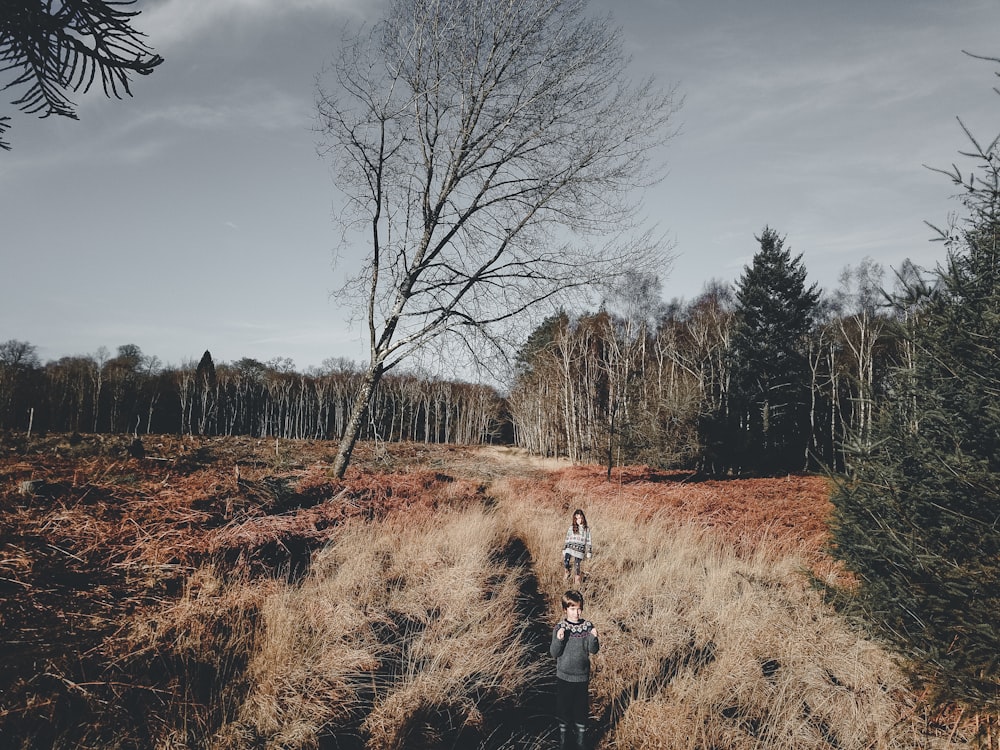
[
  {"x": 572, "y": 597},
  {"x": 576, "y": 527}
]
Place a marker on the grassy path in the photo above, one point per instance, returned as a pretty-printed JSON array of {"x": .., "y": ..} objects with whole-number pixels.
[
  {"x": 411, "y": 608},
  {"x": 707, "y": 643}
]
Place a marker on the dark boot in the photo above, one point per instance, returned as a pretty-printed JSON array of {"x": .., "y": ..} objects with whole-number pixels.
[
  {"x": 563, "y": 744},
  {"x": 581, "y": 736}
]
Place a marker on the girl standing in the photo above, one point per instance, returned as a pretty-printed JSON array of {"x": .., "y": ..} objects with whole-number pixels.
[{"x": 577, "y": 547}]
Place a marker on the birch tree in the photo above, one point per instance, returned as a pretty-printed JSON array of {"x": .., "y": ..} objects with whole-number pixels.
[
  {"x": 488, "y": 153},
  {"x": 861, "y": 323}
]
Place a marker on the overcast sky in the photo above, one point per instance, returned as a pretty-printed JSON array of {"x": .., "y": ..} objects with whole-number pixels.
[{"x": 197, "y": 215}]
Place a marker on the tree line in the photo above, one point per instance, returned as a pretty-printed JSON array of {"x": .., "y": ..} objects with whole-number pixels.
[
  {"x": 765, "y": 376},
  {"x": 132, "y": 393}
]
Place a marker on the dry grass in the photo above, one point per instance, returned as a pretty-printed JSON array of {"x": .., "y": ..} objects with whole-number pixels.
[
  {"x": 410, "y": 606},
  {"x": 708, "y": 646},
  {"x": 411, "y": 632},
  {"x": 402, "y": 633}
]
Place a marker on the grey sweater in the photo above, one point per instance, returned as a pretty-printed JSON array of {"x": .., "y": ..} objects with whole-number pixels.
[{"x": 573, "y": 652}]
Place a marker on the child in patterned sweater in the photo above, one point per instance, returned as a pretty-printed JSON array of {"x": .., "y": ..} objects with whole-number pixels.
[
  {"x": 578, "y": 546},
  {"x": 574, "y": 639}
]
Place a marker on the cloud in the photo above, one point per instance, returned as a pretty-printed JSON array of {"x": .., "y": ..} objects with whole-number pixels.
[
  {"x": 257, "y": 104},
  {"x": 172, "y": 22}
]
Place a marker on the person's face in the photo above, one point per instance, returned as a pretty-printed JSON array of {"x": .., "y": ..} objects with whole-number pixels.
[
  {"x": 578, "y": 518},
  {"x": 573, "y": 612}
]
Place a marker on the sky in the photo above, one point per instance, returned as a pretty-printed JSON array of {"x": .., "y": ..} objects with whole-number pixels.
[{"x": 197, "y": 214}]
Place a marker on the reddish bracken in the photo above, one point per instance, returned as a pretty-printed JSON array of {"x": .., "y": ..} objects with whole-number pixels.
[{"x": 790, "y": 511}]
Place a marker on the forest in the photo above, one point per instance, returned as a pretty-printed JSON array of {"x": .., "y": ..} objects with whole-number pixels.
[
  {"x": 132, "y": 393},
  {"x": 682, "y": 385}
]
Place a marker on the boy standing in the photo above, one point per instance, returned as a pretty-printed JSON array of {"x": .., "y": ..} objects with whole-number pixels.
[{"x": 574, "y": 639}]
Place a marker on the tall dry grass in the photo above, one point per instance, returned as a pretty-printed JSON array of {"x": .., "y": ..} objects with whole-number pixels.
[
  {"x": 430, "y": 629},
  {"x": 705, "y": 648},
  {"x": 402, "y": 634}
]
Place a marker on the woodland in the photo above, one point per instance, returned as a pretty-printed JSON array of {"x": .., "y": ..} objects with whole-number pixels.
[
  {"x": 798, "y": 488},
  {"x": 636, "y": 381}
]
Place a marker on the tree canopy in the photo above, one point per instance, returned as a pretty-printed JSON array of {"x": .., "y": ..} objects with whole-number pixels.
[{"x": 918, "y": 517}]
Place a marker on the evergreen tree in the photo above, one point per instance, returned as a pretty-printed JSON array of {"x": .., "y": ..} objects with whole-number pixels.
[
  {"x": 56, "y": 48},
  {"x": 769, "y": 388},
  {"x": 539, "y": 340},
  {"x": 206, "y": 395},
  {"x": 918, "y": 519}
]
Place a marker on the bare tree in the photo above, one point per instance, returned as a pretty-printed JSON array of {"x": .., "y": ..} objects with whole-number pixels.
[
  {"x": 68, "y": 380},
  {"x": 636, "y": 305},
  {"x": 488, "y": 153},
  {"x": 861, "y": 301},
  {"x": 100, "y": 360}
]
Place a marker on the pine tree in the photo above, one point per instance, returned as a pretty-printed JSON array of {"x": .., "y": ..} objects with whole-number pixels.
[
  {"x": 55, "y": 48},
  {"x": 918, "y": 519},
  {"x": 206, "y": 395},
  {"x": 769, "y": 391},
  {"x": 539, "y": 340}
]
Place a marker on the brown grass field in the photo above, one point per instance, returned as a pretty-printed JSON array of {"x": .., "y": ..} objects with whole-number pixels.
[{"x": 229, "y": 593}]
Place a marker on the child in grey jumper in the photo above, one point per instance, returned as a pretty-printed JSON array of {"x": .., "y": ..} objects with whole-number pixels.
[{"x": 574, "y": 639}]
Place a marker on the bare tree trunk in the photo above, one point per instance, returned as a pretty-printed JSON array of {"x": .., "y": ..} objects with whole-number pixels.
[
  {"x": 361, "y": 402},
  {"x": 153, "y": 399}
]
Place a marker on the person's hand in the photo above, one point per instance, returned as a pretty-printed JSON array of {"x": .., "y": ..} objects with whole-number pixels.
[
  {"x": 588, "y": 555},
  {"x": 561, "y": 633},
  {"x": 593, "y": 632}
]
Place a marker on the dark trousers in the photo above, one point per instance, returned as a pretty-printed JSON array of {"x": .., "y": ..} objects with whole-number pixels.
[
  {"x": 572, "y": 563},
  {"x": 572, "y": 702}
]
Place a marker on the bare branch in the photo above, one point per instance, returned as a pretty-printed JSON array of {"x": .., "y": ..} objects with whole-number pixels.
[{"x": 493, "y": 152}]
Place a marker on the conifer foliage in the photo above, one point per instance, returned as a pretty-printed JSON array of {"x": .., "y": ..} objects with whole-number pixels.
[
  {"x": 56, "y": 48},
  {"x": 769, "y": 397},
  {"x": 918, "y": 519}
]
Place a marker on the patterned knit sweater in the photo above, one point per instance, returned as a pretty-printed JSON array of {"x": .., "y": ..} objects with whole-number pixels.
[
  {"x": 578, "y": 543},
  {"x": 572, "y": 653}
]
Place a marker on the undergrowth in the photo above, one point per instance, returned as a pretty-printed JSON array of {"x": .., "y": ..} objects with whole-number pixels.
[{"x": 248, "y": 607}]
